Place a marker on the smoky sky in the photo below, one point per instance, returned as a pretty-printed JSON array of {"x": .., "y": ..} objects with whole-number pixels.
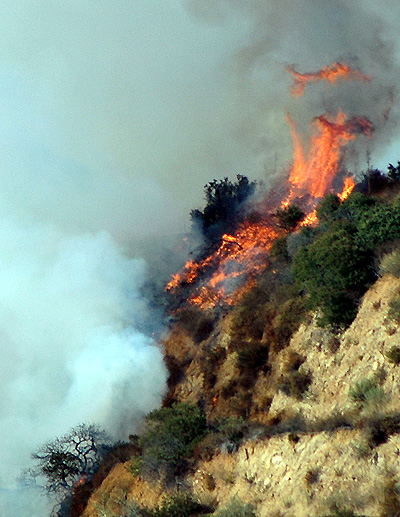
[
  {"x": 310, "y": 35},
  {"x": 113, "y": 116},
  {"x": 141, "y": 103}
]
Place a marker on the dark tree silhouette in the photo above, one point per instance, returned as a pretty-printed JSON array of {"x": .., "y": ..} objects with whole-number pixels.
[
  {"x": 223, "y": 210},
  {"x": 66, "y": 460}
]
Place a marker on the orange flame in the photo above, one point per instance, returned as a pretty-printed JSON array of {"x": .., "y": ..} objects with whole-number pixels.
[
  {"x": 242, "y": 254},
  {"x": 246, "y": 253},
  {"x": 348, "y": 187},
  {"x": 331, "y": 74},
  {"x": 315, "y": 174}
]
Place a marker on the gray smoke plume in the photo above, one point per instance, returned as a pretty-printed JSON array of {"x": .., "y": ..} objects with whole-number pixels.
[
  {"x": 113, "y": 115},
  {"x": 310, "y": 35}
]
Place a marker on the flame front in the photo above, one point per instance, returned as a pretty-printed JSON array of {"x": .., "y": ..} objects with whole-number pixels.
[
  {"x": 230, "y": 271},
  {"x": 240, "y": 255}
]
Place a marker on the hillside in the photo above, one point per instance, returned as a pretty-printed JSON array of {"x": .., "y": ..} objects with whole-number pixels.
[{"x": 303, "y": 455}]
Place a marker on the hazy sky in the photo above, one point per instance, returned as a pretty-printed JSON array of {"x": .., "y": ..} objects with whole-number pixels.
[
  {"x": 116, "y": 112},
  {"x": 113, "y": 116}
]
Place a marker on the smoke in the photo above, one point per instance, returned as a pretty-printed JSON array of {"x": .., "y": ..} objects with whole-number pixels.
[
  {"x": 310, "y": 35},
  {"x": 112, "y": 117},
  {"x": 70, "y": 307}
]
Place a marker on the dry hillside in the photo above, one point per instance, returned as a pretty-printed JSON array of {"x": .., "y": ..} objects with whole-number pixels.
[{"x": 311, "y": 449}]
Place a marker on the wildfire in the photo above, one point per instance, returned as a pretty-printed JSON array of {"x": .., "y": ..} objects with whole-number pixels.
[
  {"x": 315, "y": 173},
  {"x": 238, "y": 256},
  {"x": 348, "y": 187},
  {"x": 331, "y": 74},
  {"x": 231, "y": 270}
]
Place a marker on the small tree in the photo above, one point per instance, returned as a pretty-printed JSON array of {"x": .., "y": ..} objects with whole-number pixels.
[
  {"x": 222, "y": 213},
  {"x": 75, "y": 455}
]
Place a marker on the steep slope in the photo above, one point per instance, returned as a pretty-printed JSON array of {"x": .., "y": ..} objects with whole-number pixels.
[{"x": 310, "y": 450}]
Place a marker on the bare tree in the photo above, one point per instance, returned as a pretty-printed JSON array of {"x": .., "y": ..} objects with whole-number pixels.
[{"x": 73, "y": 457}]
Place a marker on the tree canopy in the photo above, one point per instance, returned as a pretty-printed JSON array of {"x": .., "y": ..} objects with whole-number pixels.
[{"x": 223, "y": 210}]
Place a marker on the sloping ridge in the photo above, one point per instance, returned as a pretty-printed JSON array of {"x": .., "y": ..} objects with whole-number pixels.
[{"x": 314, "y": 453}]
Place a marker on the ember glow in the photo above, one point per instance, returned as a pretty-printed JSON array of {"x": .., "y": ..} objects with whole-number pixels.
[
  {"x": 225, "y": 275},
  {"x": 242, "y": 255},
  {"x": 331, "y": 74}
]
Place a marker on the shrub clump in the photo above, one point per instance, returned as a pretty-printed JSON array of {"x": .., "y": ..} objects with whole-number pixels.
[
  {"x": 394, "y": 309},
  {"x": 236, "y": 508},
  {"x": 366, "y": 393},
  {"x": 227, "y": 434},
  {"x": 181, "y": 504},
  {"x": 394, "y": 355},
  {"x": 391, "y": 264},
  {"x": 335, "y": 271},
  {"x": 295, "y": 383},
  {"x": 168, "y": 440},
  {"x": 289, "y": 217}
]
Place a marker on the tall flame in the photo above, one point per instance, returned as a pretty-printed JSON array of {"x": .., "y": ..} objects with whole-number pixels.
[{"x": 315, "y": 174}]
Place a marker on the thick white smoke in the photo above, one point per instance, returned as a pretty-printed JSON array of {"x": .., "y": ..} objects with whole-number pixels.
[{"x": 69, "y": 306}]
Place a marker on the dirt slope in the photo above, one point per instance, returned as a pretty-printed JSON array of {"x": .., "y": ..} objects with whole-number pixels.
[{"x": 318, "y": 451}]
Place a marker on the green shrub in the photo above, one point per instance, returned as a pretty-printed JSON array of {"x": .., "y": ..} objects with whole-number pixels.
[
  {"x": 334, "y": 270},
  {"x": 295, "y": 241},
  {"x": 295, "y": 384},
  {"x": 232, "y": 429},
  {"x": 236, "y": 508},
  {"x": 394, "y": 309},
  {"x": 288, "y": 318},
  {"x": 366, "y": 393},
  {"x": 391, "y": 264},
  {"x": 169, "y": 438},
  {"x": 252, "y": 358},
  {"x": 379, "y": 224},
  {"x": 279, "y": 249},
  {"x": 393, "y": 355},
  {"x": 181, "y": 504},
  {"x": 327, "y": 209}
]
